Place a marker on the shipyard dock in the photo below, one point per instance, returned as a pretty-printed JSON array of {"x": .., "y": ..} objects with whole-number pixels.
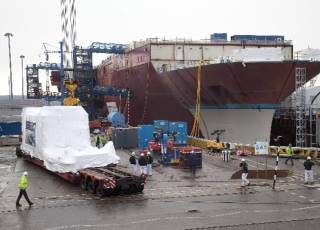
[
  {"x": 172, "y": 199},
  {"x": 141, "y": 115}
]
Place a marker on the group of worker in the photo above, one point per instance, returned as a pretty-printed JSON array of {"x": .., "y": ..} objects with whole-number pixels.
[
  {"x": 145, "y": 167},
  {"x": 144, "y": 162},
  {"x": 308, "y": 172}
]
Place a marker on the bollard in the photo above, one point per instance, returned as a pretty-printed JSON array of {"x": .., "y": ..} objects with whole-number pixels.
[{"x": 226, "y": 155}]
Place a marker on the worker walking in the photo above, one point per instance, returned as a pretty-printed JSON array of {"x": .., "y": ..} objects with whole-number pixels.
[
  {"x": 23, "y": 185},
  {"x": 290, "y": 154},
  {"x": 149, "y": 164},
  {"x": 308, "y": 173},
  {"x": 244, "y": 173},
  {"x": 133, "y": 163},
  {"x": 143, "y": 164}
]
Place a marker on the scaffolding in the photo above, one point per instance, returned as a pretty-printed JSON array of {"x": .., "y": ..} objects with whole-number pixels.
[
  {"x": 312, "y": 126},
  {"x": 300, "y": 107},
  {"x": 84, "y": 76},
  {"x": 34, "y": 87},
  {"x": 84, "y": 73}
]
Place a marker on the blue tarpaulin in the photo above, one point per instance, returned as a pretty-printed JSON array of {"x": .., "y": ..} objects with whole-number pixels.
[{"x": 10, "y": 128}]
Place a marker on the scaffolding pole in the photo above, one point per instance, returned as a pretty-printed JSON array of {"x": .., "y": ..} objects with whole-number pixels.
[{"x": 300, "y": 105}]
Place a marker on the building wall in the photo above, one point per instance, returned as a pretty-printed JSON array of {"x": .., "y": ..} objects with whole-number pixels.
[{"x": 116, "y": 62}]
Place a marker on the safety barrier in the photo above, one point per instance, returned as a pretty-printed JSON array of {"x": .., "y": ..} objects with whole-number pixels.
[
  {"x": 226, "y": 155},
  {"x": 250, "y": 149},
  {"x": 297, "y": 152}
]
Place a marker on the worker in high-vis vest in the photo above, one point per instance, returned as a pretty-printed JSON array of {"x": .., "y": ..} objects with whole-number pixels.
[
  {"x": 103, "y": 140},
  {"x": 23, "y": 185},
  {"x": 290, "y": 154}
]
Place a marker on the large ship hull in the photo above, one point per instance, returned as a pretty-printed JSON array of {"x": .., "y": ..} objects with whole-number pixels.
[{"x": 238, "y": 97}]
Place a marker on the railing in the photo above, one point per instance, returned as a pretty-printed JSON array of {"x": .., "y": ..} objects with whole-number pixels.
[
  {"x": 170, "y": 67},
  {"x": 137, "y": 44}
]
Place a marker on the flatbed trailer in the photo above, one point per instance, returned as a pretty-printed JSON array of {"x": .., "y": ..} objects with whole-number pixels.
[{"x": 102, "y": 181}]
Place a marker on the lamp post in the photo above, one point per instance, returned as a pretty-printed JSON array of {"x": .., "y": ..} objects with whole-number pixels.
[
  {"x": 22, "y": 57},
  {"x": 10, "y": 66},
  {"x": 61, "y": 72}
]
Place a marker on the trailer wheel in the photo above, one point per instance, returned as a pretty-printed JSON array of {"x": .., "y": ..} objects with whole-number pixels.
[
  {"x": 18, "y": 151},
  {"x": 100, "y": 191},
  {"x": 91, "y": 187},
  {"x": 83, "y": 183},
  {"x": 132, "y": 189},
  {"x": 140, "y": 187},
  {"x": 108, "y": 192},
  {"x": 115, "y": 191}
]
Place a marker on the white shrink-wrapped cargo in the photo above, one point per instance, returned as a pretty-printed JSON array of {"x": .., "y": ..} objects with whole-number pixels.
[{"x": 59, "y": 135}]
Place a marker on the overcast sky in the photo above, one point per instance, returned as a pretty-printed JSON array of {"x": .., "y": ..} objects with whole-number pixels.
[{"x": 33, "y": 22}]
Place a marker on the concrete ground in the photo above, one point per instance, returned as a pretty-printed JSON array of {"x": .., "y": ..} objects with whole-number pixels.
[{"x": 172, "y": 199}]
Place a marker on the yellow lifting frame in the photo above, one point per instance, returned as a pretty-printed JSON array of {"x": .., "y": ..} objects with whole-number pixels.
[{"x": 195, "y": 132}]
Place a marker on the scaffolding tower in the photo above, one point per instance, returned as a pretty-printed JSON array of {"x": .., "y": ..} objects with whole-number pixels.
[
  {"x": 300, "y": 106},
  {"x": 84, "y": 75},
  {"x": 34, "y": 87},
  {"x": 312, "y": 126}
]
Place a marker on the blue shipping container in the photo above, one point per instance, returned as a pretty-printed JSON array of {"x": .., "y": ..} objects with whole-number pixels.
[
  {"x": 275, "y": 38},
  {"x": 12, "y": 128},
  {"x": 178, "y": 126},
  {"x": 219, "y": 37},
  {"x": 181, "y": 129},
  {"x": 182, "y": 139},
  {"x": 163, "y": 125},
  {"x": 145, "y": 134}
]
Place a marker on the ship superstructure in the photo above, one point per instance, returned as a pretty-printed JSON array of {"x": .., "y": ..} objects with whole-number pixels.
[{"x": 244, "y": 81}]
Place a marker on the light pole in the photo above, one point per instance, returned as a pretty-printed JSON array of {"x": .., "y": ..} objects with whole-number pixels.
[
  {"x": 10, "y": 66},
  {"x": 22, "y": 57},
  {"x": 61, "y": 72}
]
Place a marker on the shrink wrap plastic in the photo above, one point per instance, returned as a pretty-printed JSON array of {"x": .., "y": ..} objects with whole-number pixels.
[{"x": 59, "y": 135}]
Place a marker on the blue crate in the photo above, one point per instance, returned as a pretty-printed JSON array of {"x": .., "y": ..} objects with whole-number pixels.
[
  {"x": 145, "y": 134},
  {"x": 219, "y": 37},
  {"x": 178, "y": 126},
  {"x": 182, "y": 139},
  {"x": 173, "y": 126},
  {"x": 163, "y": 125},
  {"x": 181, "y": 130}
]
